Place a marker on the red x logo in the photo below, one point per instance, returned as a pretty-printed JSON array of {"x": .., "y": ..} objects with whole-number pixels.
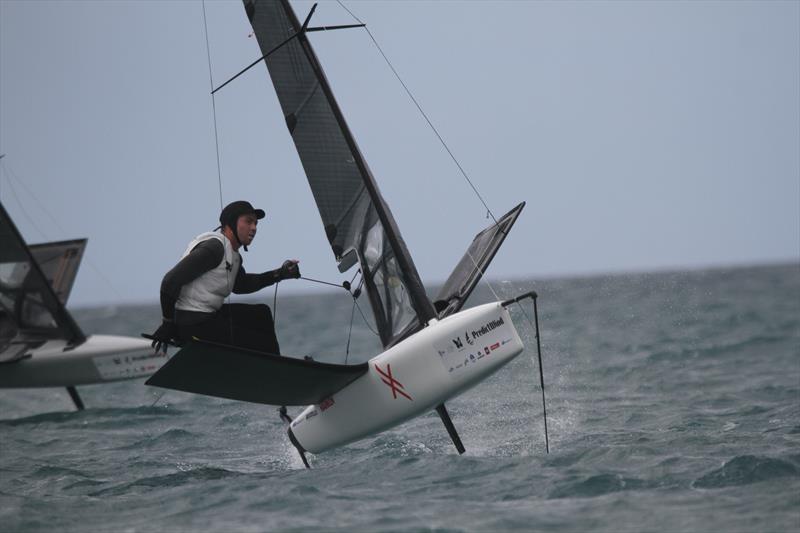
[{"x": 387, "y": 378}]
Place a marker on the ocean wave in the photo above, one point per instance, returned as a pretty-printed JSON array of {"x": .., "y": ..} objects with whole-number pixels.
[
  {"x": 177, "y": 479},
  {"x": 692, "y": 352},
  {"x": 747, "y": 469},
  {"x": 597, "y": 486},
  {"x": 116, "y": 415},
  {"x": 170, "y": 437}
]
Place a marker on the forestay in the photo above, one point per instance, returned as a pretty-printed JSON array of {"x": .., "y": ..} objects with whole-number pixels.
[{"x": 358, "y": 223}]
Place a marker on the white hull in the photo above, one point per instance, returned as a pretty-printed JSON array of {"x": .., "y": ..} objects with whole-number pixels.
[
  {"x": 100, "y": 359},
  {"x": 415, "y": 376}
]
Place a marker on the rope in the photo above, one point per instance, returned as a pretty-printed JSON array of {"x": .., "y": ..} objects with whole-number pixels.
[
  {"x": 355, "y": 301},
  {"x": 365, "y": 318},
  {"x": 425, "y": 116},
  {"x": 213, "y": 104},
  {"x": 350, "y": 333},
  {"x": 339, "y": 285},
  {"x": 275, "y": 305}
]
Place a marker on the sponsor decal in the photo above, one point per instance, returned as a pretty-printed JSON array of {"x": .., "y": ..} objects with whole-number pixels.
[
  {"x": 389, "y": 380},
  {"x": 486, "y": 350},
  {"x": 486, "y": 328},
  {"x": 326, "y": 403},
  {"x": 480, "y": 355},
  {"x": 494, "y": 346},
  {"x": 112, "y": 367},
  {"x": 459, "y": 344},
  {"x": 469, "y": 341},
  {"x": 506, "y": 342},
  {"x": 471, "y": 357}
]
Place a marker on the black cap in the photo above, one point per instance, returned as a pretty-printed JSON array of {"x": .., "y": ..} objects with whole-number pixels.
[{"x": 234, "y": 210}]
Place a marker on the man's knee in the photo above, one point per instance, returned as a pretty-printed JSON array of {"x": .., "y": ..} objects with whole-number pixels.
[{"x": 263, "y": 310}]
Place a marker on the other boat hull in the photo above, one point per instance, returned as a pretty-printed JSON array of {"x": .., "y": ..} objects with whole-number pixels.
[{"x": 100, "y": 359}]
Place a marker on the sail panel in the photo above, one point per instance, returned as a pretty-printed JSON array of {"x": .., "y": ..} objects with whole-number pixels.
[
  {"x": 469, "y": 270},
  {"x": 355, "y": 216},
  {"x": 59, "y": 262}
]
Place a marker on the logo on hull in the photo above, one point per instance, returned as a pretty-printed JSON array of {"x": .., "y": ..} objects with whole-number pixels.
[{"x": 389, "y": 380}]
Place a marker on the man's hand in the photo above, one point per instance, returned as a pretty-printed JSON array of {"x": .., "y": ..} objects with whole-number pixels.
[
  {"x": 290, "y": 269},
  {"x": 164, "y": 336}
]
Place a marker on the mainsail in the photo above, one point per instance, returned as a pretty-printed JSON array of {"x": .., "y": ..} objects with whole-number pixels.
[
  {"x": 30, "y": 311},
  {"x": 358, "y": 223}
]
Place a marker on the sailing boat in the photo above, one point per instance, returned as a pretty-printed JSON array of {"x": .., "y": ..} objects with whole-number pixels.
[
  {"x": 433, "y": 350},
  {"x": 41, "y": 345}
]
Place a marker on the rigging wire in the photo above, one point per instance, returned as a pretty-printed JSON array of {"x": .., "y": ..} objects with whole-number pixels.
[
  {"x": 10, "y": 175},
  {"x": 22, "y": 205},
  {"x": 441, "y": 140},
  {"x": 213, "y": 104},
  {"x": 219, "y": 166},
  {"x": 444, "y": 144},
  {"x": 425, "y": 116},
  {"x": 216, "y": 146}
]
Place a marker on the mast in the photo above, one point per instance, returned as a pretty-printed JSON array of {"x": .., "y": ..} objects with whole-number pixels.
[
  {"x": 348, "y": 197},
  {"x": 422, "y": 304}
]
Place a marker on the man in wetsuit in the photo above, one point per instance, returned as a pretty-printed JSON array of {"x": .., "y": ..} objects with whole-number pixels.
[{"x": 193, "y": 292}]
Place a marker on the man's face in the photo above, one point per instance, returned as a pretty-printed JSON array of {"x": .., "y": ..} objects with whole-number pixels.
[{"x": 246, "y": 228}]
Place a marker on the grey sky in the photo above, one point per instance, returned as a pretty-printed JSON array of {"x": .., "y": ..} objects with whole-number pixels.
[{"x": 643, "y": 135}]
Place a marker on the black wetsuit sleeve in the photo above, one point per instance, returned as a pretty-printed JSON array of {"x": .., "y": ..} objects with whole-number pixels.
[
  {"x": 246, "y": 283},
  {"x": 203, "y": 257}
]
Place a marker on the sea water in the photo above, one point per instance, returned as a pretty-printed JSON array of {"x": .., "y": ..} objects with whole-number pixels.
[{"x": 673, "y": 404}]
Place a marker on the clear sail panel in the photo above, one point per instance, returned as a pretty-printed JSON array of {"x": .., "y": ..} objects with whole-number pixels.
[{"x": 383, "y": 273}]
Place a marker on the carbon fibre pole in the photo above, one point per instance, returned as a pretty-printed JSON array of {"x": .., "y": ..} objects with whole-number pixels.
[{"x": 541, "y": 372}]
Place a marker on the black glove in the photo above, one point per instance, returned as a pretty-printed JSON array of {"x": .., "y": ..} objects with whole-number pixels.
[
  {"x": 289, "y": 269},
  {"x": 164, "y": 336}
]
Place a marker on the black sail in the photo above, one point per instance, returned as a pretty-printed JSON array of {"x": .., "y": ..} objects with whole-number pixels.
[{"x": 357, "y": 221}]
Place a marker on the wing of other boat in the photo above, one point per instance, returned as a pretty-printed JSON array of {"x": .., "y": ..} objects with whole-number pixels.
[
  {"x": 465, "y": 276},
  {"x": 236, "y": 373}
]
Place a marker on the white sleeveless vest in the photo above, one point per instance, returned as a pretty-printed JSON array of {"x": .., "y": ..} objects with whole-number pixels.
[{"x": 207, "y": 293}]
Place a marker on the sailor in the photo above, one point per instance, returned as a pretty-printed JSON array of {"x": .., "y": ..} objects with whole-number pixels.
[{"x": 193, "y": 292}]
